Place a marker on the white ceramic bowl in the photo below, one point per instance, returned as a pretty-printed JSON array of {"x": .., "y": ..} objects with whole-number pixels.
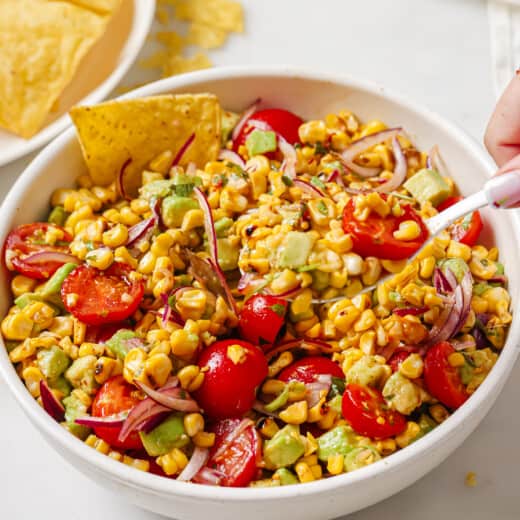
[
  {"x": 99, "y": 73},
  {"x": 310, "y": 95}
]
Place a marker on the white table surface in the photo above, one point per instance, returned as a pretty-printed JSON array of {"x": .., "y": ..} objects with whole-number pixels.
[{"x": 437, "y": 52}]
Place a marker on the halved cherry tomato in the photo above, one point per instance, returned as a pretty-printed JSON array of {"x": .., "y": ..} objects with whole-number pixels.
[
  {"x": 261, "y": 319},
  {"x": 115, "y": 396},
  {"x": 238, "y": 463},
  {"x": 28, "y": 239},
  {"x": 367, "y": 412},
  {"x": 467, "y": 230},
  {"x": 281, "y": 121},
  {"x": 102, "y": 296},
  {"x": 374, "y": 236},
  {"x": 307, "y": 368},
  {"x": 235, "y": 369},
  {"x": 442, "y": 380}
]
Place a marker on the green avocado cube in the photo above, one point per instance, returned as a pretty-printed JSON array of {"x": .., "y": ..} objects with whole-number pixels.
[
  {"x": 296, "y": 249},
  {"x": 52, "y": 362},
  {"x": 259, "y": 142},
  {"x": 117, "y": 344},
  {"x": 168, "y": 435},
  {"x": 156, "y": 189},
  {"x": 285, "y": 448},
  {"x": 58, "y": 216},
  {"x": 428, "y": 186},
  {"x": 174, "y": 208},
  {"x": 338, "y": 441},
  {"x": 227, "y": 254}
]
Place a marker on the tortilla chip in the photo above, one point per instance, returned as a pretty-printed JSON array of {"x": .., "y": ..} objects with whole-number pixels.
[
  {"x": 206, "y": 36},
  {"x": 179, "y": 65},
  {"x": 100, "y": 6},
  {"x": 42, "y": 44},
  {"x": 172, "y": 40},
  {"x": 138, "y": 130},
  {"x": 221, "y": 14}
]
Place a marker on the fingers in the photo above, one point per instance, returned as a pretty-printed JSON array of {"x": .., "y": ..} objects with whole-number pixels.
[{"x": 502, "y": 137}]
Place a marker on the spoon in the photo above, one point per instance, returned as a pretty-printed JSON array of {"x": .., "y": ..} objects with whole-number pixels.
[{"x": 499, "y": 192}]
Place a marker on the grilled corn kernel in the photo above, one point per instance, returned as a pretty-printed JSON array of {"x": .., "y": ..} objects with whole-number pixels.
[
  {"x": 286, "y": 281},
  {"x": 295, "y": 413},
  {"x": 190, "y": 377},
  {"x": 282, "y": 361},
  {"x": 411, "y": 432},
  {"x": 412, "y": 367},
  {"x": 366, "y": 321},
  {"x": 116, "y": 236},
  {"x": 17, "y": 326},
  {"x": 371, "y": 271},
  {"x": 408, "y": 230},
  {"x": 140, "y": 464},
  {"x": 101, "y": 258},
  {"x": 79, "y": 331},
  {"x": 133, "y": 367},
  {"x": 353, "y": 264},
  {"x": 458, "y": 250},
  {"x": 22, "y": 284},
  {"x": 312, "y": 132},
  {"x": 91, "y": 349},
  {"x": 98, "y": 444},
  {"x": 439, "y": 413},
  {"x": 327, "y": 421},
  {"x": 204, "y": 439},
  {"x": 106, "y": 368},
  {"x": 173, "y": 462},
  {"x": 273, "y": 386},
  {"x": 193, "y": 423},
  {"x": 394, "y": 266},
  {"x": 335, "y": 464},
  {"x": 61, "y": 326},
  {"x": 269, "y": 428},
  {"x": 182, "y": 343},
  {"x": 367, "y": 342},
  {"x": 32, "y": 377},
  {"x": 456, "y": 359},
  {"x": 191, "y": 303},
  {"x": 40, "y": 313},
  {"x": 386, "y": 446},
  {"x": 427, "y": 266},
  {"x": 115, "y": 455},
  {"x": 121, "y": 254},
  {"x": 304, "y": 472},
  {"x": 158, "y": 368}
]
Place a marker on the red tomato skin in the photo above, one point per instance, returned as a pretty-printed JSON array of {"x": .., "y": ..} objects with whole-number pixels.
[
  {"x": 441, "y": 379},
  {"x": 374, "y": 236},
  {"x": 464, "y": 236},
  {"x": 361, "y": 406},
  {"x": 228, "y": 389},
  {"x": 258, "y": 322},
  {"x": 281, "y": 121},
  {"x": 100, "y": 293},
  {"x": 115, "y": 396},
  {"x": 307, "y": 368},
  {"x": 238, "y": 463},
  {"x": 18, "y": 241}
]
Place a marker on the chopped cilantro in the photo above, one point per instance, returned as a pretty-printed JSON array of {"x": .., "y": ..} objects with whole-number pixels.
[
  {"x": 322, "y": 208},
  {"x": 320, "y": 149},
  {"x": 337, "y": 387},
  {"x": 279, "y": 309},
  {"x": 309, "y": 267},
  {"x": 287, "y": 181},
  {"x": 184, "y": 190}
]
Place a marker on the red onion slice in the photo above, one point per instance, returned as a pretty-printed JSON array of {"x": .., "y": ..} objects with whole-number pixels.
[
  {"x": 209, "y": 224},
  {"x": 170, "y": 397},
  {"x": 413, "y": 311},
  {"x": 197, "y": 461},
  {"x": 50, "y": 403},
  {"x": 248, "y": 112},
  {"x": 231, "y": 437},
  {"x": 170, "y": 314},
  {"x": 400, "y": 170},
  {"x": 441, "y": 283},
  {"x": 290, "y": 158},
  {"x": 259, "y": 407},
  {"x": 233, "y": 157},
  {"x": 43, "y": 257},
  {"x": 182, "y": 150},
  {"x": 209, "y": 477},
  {"x": 140, "y": 415},
  {"x": 308, "y": 188},
  {"x": 111, "y": 421},
  {"x": 315, "y": 390},
  {"x": 462, "y": 345},
  {"x": 359, "y": 146},
  {"x": 120, "y": 180},
  {"x": 335, "y": 176},
  {"x": 140, "y": 230}
]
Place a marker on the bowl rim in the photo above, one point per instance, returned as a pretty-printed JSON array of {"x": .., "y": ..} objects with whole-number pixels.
[
  {"x": 164, "y": 486},
  {"x": 143, "y": 17}
]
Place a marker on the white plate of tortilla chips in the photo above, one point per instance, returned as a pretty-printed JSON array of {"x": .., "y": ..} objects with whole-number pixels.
[{"x": 56, "y": 54}]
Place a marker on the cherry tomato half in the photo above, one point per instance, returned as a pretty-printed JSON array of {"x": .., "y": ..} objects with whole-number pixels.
[
  {"x": 468, "y": 229},
  {"x": 261, "y": 319},
  {"x": 235, "y": 369},
  {"x": 281, "y": 121},
  {"x": 442, "y": 380},
  {"x": 367, "y": 412},
  {"x": 28, "y": 239},
  {"x": 374, "y": 236},
  {"x": 115, "y": 396},
  {"x": 102, "y": 296},
  {"x": 307, "y": 368},
  {"x": 238, "y": 463}
]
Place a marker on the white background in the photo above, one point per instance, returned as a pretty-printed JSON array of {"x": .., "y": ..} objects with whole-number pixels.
[{"x": 435, "y": 51}]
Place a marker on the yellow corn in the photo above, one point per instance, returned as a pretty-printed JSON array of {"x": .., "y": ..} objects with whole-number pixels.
[
  {"x": 304, "y": 472},
  {"x": 312, "y": 132},
  {"x": 456, "y": 359},
  {"x": 411, "y": 432},
  {"x": 295, "y": 413},
  {"x": 98, "y": 444},
  {"x": 386, "y": 446},
  {"x": 286, "y": 281},
  {"x": 140, "y": 464},
  {"x": 183, "y": 344},
  {"x": 101, "y": 258},
  {"x": 22, "y": 284},
  {"x": 133, "y": 367},
  {"x": 79, "y": 331},
  {"x": 106, "y": 368},
  {"x": 408, "y": 230},
  {"x": 427, "y": 266},
  {"x": 412, "y": 367},
  {"x": 91, "y": 349},
  {"x": 204, "y": 439},
  {"x": 366, "y": 321},
  {"x": 173, "y": 462},
  {"x": 193, "y": 423},
  {"x": 158, "y": 368},
  {"x": 282, "y": 361},
  {"x": 269, "y": 428},
  {"x": 116, "y": 236},
  {"x": 32, "y": 377},
  {"x": 335, "y": 464},
  {"x": 458, "y": 250},
  {"x": 17, "y": 326},
  {"x": 439, "y": 413},
  {"x": 190, "y": 378}
]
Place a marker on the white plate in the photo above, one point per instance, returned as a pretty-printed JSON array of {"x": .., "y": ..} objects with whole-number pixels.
[{"x": 99, "y": 73}]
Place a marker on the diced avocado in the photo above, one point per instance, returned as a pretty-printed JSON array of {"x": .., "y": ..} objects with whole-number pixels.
[
  {"x": 227, "y": 254},
  {"x": 401, "y": 394},
  {"x": 25, "y": 299},
  {"x": 335, "y": 404},
  {"x": 228, "y": 121},
  {"x": 74, "y": 408},
  {"x": 174, "y": 208},
  {"x": 156, "y": 189},
  {"x": 285, "y": 448},
  {"x": 428, "y": 186},
  {"x": 427, "y": 424},
  {"x": 184, "y": 184},
  {"x": 53, "y": 285},
  {"x": 338, "y": 441},
  {"x": 81, "y": 374},
  {"x": 58, "y": 216},
  {"x": 168, "y": 435},
  {"x": 222, "y": 225},
  {"x": 117, "y": 344},
  {"x": 285, "y": 477},
  {"x": 480, "y": 288},
  {"x": 456, "y": 265},
  {"x": 259, "y": 141},
  {"x": 320, "y": 280},
  {"x": 283, "y": 397},
  {"x": 60, "y": 384},
  {"x": 367, "y": 372},
  {"x": 500, "y": 269},
  {"x": 52, "y": 362},
  {"x": 296, "y": 249},
  {"x": 360, "y": 457}
]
